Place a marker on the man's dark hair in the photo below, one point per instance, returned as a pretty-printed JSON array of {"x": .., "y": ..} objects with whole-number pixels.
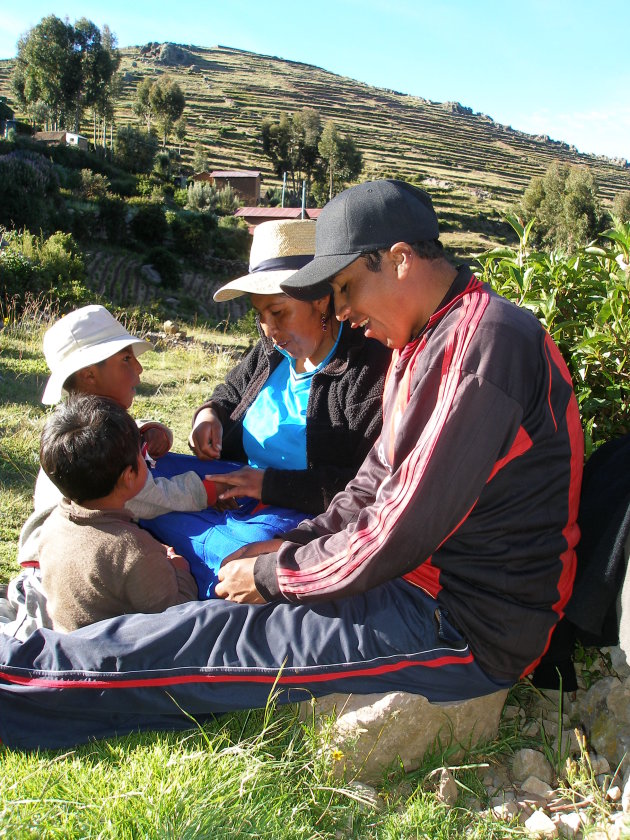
[
  {"x": 431, "y": 249},
  {"x": 86, "y": 444}
]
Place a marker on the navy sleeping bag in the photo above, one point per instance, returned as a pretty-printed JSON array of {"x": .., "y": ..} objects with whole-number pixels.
[{"x": 206, "y": 537}]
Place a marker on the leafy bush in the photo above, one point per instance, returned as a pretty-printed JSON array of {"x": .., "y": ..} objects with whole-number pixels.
[
  {"x": 180, "y": 197},
  {"x": 583, "y": 300},
  {"x": 112, "y": 214},
  {"x": 93, "y": 185},
  {"x": 80, "y": 220},
  {"x": 123, "y": 185},
  {"x": 166, "y": 265},
  {"x": 35, "y": 266},
  {"x": 192, "y": 233},
  {"x": 232, "y": 240},
  {"x": 149, "y": 225},
  {"x": 202, "y": 197},
  {"x": 621, "y": 206},
  {"x": 135, "y": 149},
  {"x": 29, "y": 189}
]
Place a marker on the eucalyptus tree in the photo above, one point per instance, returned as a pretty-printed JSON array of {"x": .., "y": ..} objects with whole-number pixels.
[
  {"x": 341, "y": 160},
  {"x": 161, "y": 100},
  {"x": 48, "y": 70},
  {"x": 291, "y": 144},
  {"x": 168, "y": 103},
  {"x": 563, "y": 207},
  {"x": 64, "y": 68}
]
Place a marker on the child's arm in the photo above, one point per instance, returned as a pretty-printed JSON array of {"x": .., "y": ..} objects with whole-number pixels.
[{"x": 181, "y": 492}]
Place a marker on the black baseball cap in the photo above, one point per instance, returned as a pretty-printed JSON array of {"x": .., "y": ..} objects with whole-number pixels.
[{"x": 368, "y": 217}]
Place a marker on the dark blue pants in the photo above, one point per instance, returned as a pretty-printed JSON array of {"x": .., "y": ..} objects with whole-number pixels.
[{"x": 143, "y": 671}]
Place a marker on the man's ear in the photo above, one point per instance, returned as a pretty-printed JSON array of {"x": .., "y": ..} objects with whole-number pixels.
[{"x": 402, "y": 256}]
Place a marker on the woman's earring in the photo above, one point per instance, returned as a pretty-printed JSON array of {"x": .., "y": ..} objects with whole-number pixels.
[{"x": 324, "y": 322}]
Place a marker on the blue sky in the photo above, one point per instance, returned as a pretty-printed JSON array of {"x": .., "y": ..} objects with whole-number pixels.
[{"x": 558, "y": 68}]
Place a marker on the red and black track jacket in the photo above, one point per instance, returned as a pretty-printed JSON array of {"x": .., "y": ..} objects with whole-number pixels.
[{"x": 471, "y": 492}]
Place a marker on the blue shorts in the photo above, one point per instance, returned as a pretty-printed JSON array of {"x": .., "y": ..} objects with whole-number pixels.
[{"x": 206, "y": 537}]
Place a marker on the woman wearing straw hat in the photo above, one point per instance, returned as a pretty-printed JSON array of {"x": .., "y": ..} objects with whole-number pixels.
[
  {"x": 295, "y": 418},
  {"x": 304, "y": 407}
]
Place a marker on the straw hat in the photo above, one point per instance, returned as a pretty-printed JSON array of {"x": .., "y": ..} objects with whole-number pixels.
[
  {"x": 278, "y": 250},
  {"x": 81, "y": 338}
]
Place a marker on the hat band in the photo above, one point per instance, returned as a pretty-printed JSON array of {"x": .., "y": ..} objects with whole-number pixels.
[{"x": 282, "y": 263}]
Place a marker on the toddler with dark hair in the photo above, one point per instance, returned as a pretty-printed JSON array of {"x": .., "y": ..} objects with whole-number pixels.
[{"x": 96, "y": 562}]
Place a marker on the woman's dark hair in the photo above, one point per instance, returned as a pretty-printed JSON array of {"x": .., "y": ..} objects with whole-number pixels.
[
  {"x": 431, "y": 249},
  {"x": 86, "y": 444}
]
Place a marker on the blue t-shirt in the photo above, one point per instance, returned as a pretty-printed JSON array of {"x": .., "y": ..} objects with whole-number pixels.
[{"x": 274, "y": 426}]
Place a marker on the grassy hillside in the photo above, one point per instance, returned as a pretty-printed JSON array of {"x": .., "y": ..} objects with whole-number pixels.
[{"x": 473, "y": 167}]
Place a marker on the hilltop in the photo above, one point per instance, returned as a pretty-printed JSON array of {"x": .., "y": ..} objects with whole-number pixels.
[{"x": 473, "y": 167}]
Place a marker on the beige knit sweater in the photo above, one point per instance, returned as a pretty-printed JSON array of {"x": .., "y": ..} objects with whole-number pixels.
[{"x": 98, "y": 564}]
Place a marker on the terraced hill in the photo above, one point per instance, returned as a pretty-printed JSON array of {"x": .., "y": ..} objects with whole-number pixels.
[{"x": 473, "y": 167}]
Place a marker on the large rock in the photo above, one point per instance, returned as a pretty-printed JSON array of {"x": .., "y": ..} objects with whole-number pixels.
[
  {"x": 605, "y": 712},
  {"x": 365, "y": 734}
]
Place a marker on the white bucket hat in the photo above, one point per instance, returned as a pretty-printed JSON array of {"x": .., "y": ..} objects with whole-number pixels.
[
  {"x": 278, "y": 250},
  {"x": 81, "y": 338}
]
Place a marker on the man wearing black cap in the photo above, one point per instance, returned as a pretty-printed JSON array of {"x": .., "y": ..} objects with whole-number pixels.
[
  {"x": 440, "y": 570},
  {"x": 471, "y": 492}
]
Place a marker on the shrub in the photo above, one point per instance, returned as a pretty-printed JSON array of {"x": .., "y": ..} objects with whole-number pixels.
[
  {"x": 135, "y": 149},
  {"x": 192, "y": 234},
  {"x": 180, "y": 197},
  {"x": 202, "y": 197},
  {"x": 232, "y": 240},
  {"x": 149, "y": 225},
  {"x": 123, "y": 185},
  {"x": 166, "y": 265},
  {"x": 621, "y": 206},
  {"x": 112, "y": 213},
  {"x": 227, "y": 201},
  {"x": 93, "y": 185},
  {"x": 29, "y": 189},
  {"x": 583, "y": 300},
  {"x": 80, "y": 221},
  {"x": 48, "y": 268}
]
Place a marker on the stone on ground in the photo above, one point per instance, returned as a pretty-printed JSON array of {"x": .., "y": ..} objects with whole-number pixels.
[{"x": 366, "y": 734}]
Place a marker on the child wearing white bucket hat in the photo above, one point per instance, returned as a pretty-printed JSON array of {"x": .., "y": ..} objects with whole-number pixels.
[{"x": 89, "y": 351}]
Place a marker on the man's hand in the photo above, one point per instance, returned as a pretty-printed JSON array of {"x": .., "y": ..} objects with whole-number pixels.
[
  {"x": 236, "y": 582},
  {"x": 206, "y": 438},
  {"x": 236, "y": 575},
  {"x": 247, "y": 481}
]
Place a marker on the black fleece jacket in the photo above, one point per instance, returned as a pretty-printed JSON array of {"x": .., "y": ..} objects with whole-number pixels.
[{"x": 343, "y": 418}]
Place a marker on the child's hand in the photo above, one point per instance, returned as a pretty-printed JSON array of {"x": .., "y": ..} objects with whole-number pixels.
[
  {"x": 176, "y": 560},
  {"x": 158, "y": 439}
]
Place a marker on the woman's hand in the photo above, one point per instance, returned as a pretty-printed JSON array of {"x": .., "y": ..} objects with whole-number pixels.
[
  {"x": 247, "y": 481},
  {"x": 206, "y": 438}
]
